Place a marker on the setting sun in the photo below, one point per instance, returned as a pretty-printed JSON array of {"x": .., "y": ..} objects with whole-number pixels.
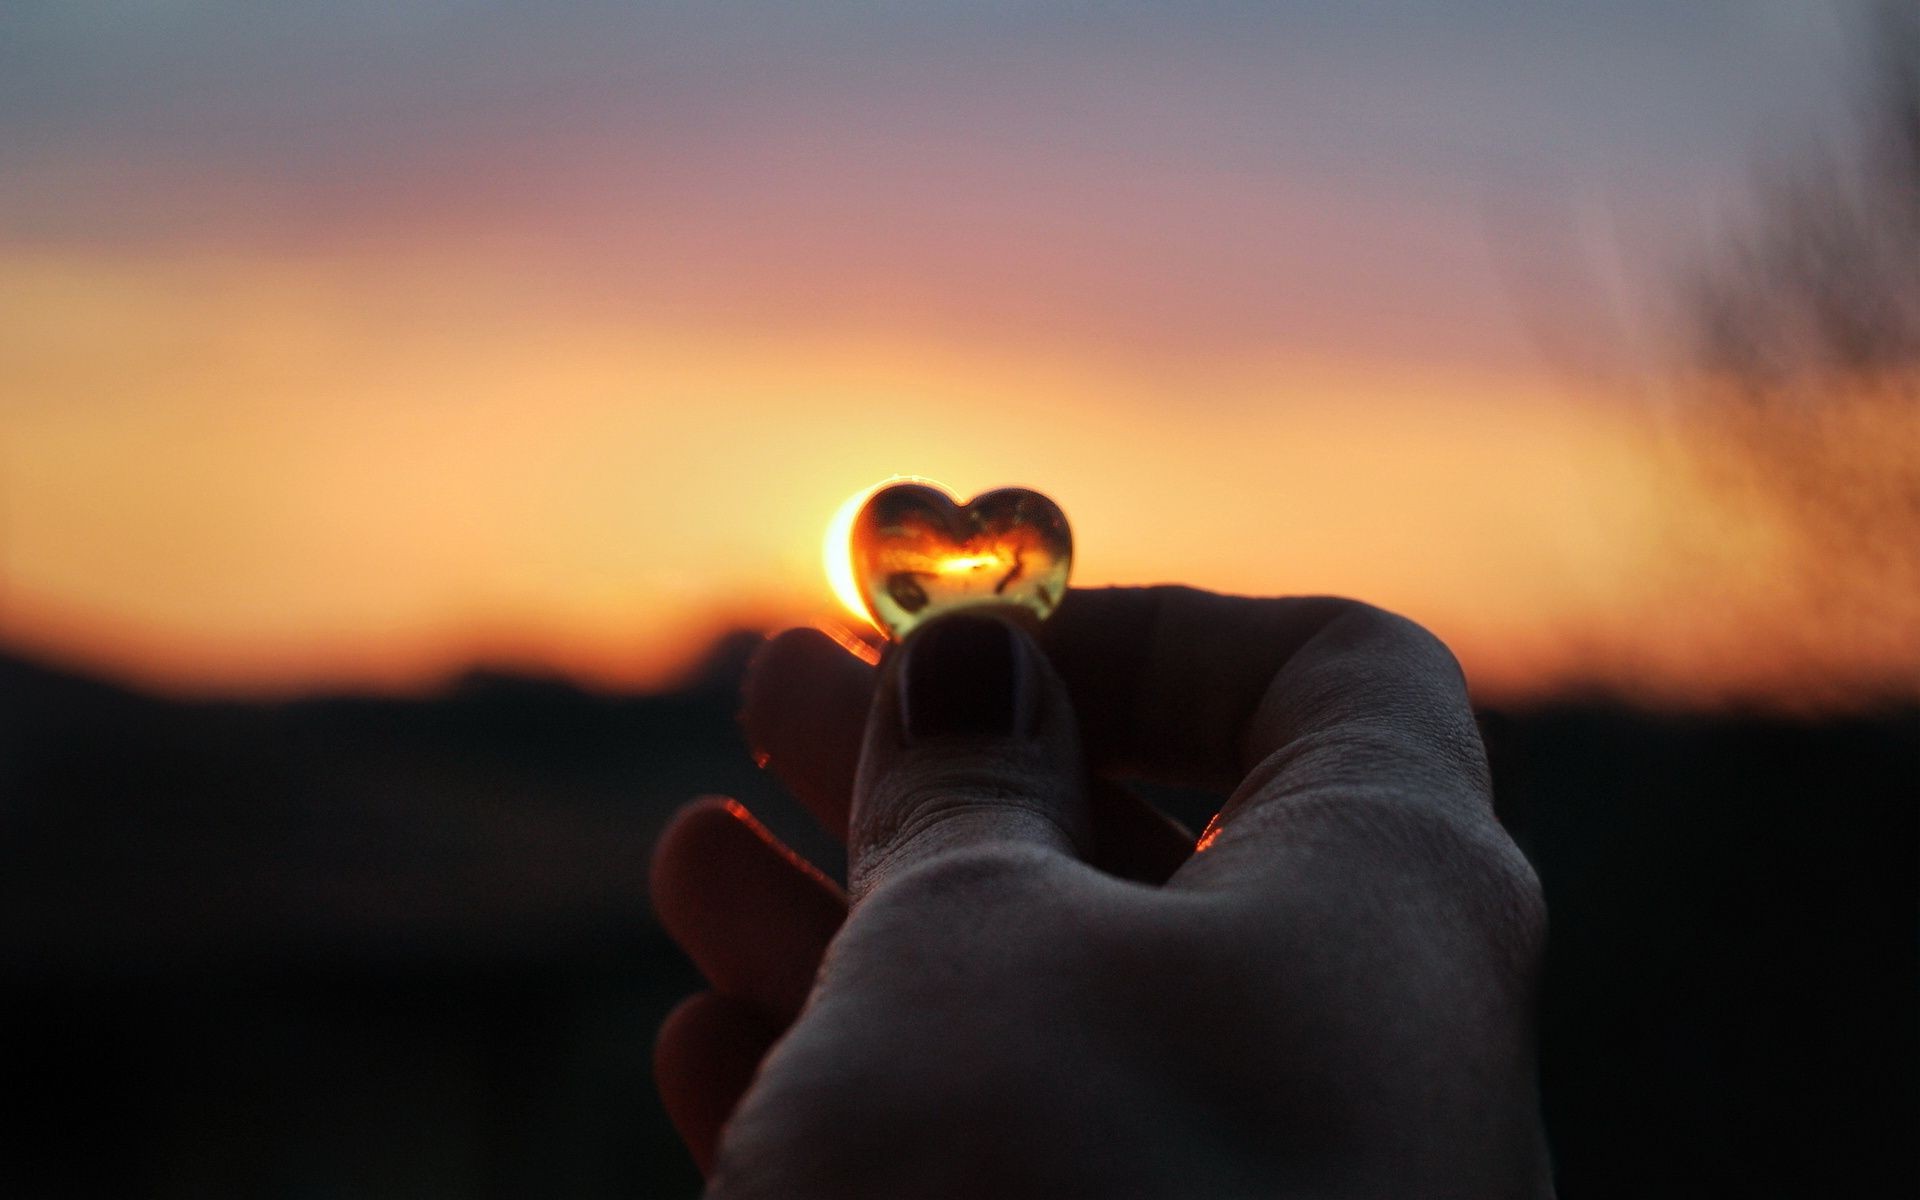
[
  {"x": 836, "y": 550},
  {"x": 956, "y": 564},
  {"x": 839, "y": 561}
]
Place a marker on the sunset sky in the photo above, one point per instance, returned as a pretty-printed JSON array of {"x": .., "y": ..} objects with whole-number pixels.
[{"x": 345, "y": 344}]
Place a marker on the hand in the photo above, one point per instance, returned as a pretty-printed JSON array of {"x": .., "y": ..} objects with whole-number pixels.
[{"x": 1038, "y": 986}]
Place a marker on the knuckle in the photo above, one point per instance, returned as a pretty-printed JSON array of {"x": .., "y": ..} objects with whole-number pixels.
[
  {"x": 942, "y": 800},
  {"x": 973, "y": 880},
  {"x": 958, "y": 845},
  {"x": 1490, "y": 883},
  {"x": 1364, "y": 628},
  {"x": 1373, "y": 686}
]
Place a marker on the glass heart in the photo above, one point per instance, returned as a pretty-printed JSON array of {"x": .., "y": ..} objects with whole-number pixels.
[{"x": 917, "y": 554}]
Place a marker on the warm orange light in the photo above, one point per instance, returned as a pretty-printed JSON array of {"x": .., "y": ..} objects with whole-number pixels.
[
  {"x": 837, "y": 550},
  {"x": 850, "y": 641},
  {"x": 960, "y": 563},
  {"x": 387, "y": 548},
  {"x": 1208, "y": 836}
]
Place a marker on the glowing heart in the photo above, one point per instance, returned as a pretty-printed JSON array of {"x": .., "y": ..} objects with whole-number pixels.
[{"x": 917, "y": 554}]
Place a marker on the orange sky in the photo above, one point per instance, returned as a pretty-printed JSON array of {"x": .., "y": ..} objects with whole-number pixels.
[
  {"x": 233, "y": 475},
  {"x": 385, "y": 348}
]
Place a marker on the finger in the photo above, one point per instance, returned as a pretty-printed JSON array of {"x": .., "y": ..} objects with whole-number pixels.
[
  {"x": 1370, "y": 711},
  {"x": 970, "y": 742},
  {"x": 1368, "y": 793},
  {"x": 1188, "y": 687},
  {"x": 752, "y": 915},
  {"x": 805, "y": 712},
  {"x": 703, "y": 1060},
  {"x": 806, "y": 704},
  {"x": 1343, "y": 722}
]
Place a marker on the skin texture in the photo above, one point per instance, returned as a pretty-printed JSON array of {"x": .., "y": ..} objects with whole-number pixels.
[{"x": 1036, "y": 987}]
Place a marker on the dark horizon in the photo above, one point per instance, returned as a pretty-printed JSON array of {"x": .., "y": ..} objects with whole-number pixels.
[{"x": 330, "y": 904}]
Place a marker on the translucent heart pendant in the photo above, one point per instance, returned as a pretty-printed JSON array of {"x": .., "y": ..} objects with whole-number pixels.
[{"x": 917, "y": 554}]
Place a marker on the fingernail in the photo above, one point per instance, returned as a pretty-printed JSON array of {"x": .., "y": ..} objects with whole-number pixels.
[{"x": 966, "y": 675}]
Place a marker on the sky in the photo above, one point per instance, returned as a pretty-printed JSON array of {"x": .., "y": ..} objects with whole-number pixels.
[{"x": 344, "y": 345}]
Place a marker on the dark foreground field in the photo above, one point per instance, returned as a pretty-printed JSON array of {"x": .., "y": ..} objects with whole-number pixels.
[{"x": 369, "y": 947}]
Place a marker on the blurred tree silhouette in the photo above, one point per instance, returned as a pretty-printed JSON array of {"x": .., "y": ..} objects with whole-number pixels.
[{"x": 1805, "y": 330}]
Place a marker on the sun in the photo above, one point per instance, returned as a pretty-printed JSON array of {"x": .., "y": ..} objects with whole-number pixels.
[{"x": 837, "y": 549}]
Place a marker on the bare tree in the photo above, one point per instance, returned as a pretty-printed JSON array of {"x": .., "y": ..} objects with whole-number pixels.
[{"x": 1806, "y": 338}]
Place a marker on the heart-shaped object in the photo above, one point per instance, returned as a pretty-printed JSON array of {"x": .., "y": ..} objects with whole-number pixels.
[{"x": 917, "y": 554}]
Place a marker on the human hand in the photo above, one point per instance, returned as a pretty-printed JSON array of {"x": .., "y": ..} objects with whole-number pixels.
[{"x": 1035, "y": 985}]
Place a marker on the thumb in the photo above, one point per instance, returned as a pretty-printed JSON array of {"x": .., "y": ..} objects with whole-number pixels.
[{"x": 970, "y": 743}]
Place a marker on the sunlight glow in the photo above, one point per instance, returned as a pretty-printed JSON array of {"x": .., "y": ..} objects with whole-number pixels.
[
  {"x": 850, "y": 641},
  {"x": 1208, "y": 835},
  {"x": 837, "y": 549},
  {"x": 388, "y": 548},
  {"x": 958, "y": 563},
  {"x": 838, "y": 554}
]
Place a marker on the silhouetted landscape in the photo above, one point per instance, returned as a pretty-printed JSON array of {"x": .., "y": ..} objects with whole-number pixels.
[
  {"x": 368, "y": 946},
  {"x": 346, "y": 342}
]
